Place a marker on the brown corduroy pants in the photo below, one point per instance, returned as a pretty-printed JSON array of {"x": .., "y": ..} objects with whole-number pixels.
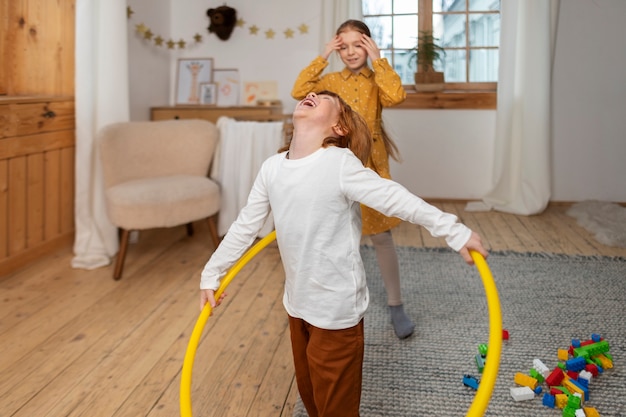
[{"x": 329, "y": 368}]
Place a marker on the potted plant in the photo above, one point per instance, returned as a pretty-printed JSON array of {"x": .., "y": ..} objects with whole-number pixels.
[{"x": 427, "y": 53}]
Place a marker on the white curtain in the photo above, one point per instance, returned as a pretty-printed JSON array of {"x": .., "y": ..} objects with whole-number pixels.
[
  {"x": 334, "y": 13},
  {"x": 523, "y": 120},
  {"x": 101, "y": 98}
]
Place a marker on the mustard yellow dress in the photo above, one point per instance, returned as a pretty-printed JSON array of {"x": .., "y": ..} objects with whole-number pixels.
[{"x": 367, "y": 93}]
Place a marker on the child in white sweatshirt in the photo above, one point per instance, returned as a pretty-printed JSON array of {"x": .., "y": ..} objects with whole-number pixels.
[{"x": 314, "y": 188}]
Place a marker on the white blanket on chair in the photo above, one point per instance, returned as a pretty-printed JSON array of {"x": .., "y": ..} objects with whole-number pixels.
[{"x": 243, "y": 146}]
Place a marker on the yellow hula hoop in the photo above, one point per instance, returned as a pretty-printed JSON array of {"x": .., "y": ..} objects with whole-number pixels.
[
  {"x": 487, "y": 383},
  {"x": 185, "y": 378},
  {"x": 488, "y": 380}
]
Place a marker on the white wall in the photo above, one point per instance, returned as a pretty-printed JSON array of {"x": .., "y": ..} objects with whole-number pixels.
[
  {"x": 149, "y": 70},
  {"x": 589, "y": 107},
  {"x": 255, "y": 56},
  {"x": 447, "y": 153}
]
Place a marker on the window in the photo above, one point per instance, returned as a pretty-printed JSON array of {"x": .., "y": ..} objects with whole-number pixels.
[{"x": 468, "y": 30}]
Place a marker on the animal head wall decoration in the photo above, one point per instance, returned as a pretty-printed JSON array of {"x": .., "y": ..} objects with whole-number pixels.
[{"x": 223, "y": 20}]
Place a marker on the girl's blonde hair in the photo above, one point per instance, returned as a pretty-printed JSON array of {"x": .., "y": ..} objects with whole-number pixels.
[
  {"x": 356, "y": 137},
  {"x": 361, "y": 27}
]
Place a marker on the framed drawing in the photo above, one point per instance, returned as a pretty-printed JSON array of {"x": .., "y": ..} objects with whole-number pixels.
[
  {"x": 208, "y": 93},
  {"x": 253, "y": 91},
  {"x": 190, "y": 73},
  {"x": 227, "y": 81}
]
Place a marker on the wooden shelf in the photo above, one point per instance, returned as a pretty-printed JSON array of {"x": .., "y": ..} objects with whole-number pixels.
[
  {"x": 449, "y": 100},
  {"x": 212, "y": 113}
]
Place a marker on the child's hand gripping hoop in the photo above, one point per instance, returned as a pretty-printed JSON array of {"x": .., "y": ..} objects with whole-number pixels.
[
  {"x": 185, "y": 378},
  {"x": 483, "y": 395}
]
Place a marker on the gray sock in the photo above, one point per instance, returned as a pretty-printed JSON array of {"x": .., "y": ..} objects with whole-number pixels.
[{"x": 402, "y": 324}]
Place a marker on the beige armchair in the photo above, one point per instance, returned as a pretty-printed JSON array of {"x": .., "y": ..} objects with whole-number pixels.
[{"x": 156, "y": 175}]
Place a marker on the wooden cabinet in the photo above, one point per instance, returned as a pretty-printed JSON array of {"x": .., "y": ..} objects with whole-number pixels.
[
  {"x": 37, "y": 47},
  {"x": 36, "y": 177},
  {"x": 212, "y": 113},
  {"x": 37, "y": 129}
]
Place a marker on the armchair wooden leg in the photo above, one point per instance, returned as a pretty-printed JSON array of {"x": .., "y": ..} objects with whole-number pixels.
[
  {"x": 121, "y": 254},
  {"x": 189, "y": 229},
  {"x": 213, "y": 229}
]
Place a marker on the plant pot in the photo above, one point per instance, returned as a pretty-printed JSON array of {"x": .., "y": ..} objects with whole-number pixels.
[{"x": 429, "y": 81}]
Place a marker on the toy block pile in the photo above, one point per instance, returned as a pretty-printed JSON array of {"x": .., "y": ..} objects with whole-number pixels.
[{"x": 568, "y": 383}]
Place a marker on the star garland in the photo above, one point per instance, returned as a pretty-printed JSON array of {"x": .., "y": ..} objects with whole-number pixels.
[{"x": 146, "y": 33}]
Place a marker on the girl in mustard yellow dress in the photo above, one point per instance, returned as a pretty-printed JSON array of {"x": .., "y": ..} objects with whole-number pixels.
[{"x": 367, "y": 90}]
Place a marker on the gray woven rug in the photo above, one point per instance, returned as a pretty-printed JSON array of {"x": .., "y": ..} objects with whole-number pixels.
[{"x": 546, "y": 301}]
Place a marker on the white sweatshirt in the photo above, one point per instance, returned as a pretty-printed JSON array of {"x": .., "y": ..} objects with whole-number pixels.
[{"x": 315, "y": 204}]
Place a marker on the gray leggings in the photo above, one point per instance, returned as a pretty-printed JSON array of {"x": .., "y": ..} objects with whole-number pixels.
[{"x": 388, "y": 265}]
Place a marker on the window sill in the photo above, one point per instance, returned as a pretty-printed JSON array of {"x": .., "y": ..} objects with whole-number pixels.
[{"x": 449, "y": 100}]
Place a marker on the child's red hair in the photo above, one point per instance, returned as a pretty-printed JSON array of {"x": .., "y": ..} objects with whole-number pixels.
[{"x": 357, "y": 136}]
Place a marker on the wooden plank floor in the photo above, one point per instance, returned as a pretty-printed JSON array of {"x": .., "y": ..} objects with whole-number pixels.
[{"x": 77, "y": 343}]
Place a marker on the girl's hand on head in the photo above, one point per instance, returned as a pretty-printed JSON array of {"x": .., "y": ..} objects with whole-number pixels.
[
  {"x": 370, "y": 46},
  {"x": 333, "y": 45}
]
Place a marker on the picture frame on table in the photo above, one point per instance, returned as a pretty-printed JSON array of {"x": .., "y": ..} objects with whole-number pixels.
[
  {"x": 256, "y": 91},
  {"x": 208, "y": 93},
  {"x": 227, "y": 81},
  {"x": 190, "y": 74}
]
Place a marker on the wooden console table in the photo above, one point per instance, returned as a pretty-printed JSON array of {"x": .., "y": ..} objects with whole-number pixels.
[{"x": 212, "y": 113}]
